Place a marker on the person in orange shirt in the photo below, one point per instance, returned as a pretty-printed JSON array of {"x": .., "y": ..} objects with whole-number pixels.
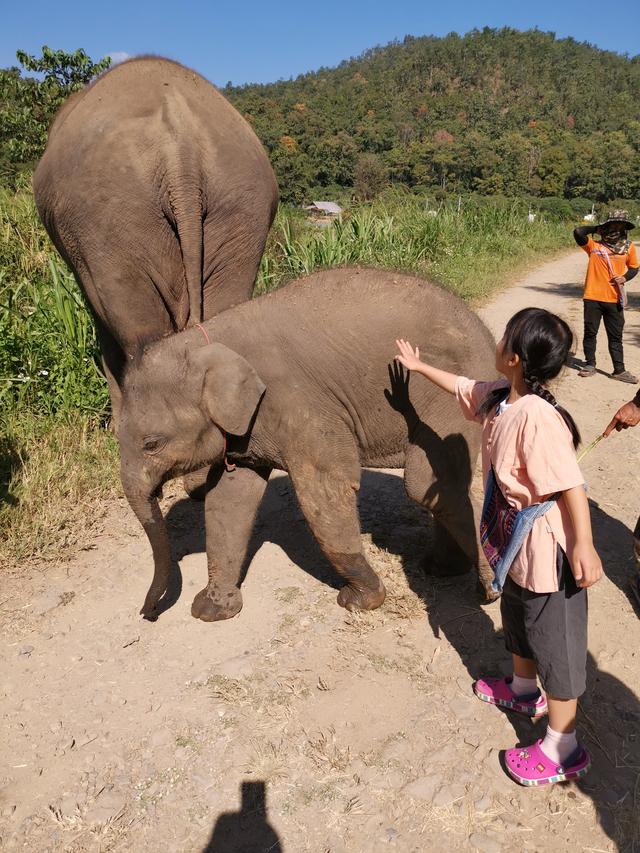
[{"x": 612, "y": 263}]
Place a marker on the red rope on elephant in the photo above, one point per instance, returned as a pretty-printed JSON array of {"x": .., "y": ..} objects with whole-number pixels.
[
  {"x": 229, "y": 466},
  {"x": 204, "y": 332}
]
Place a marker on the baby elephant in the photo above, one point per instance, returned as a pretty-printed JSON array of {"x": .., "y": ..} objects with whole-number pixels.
[{"x": 303, "y": 380}]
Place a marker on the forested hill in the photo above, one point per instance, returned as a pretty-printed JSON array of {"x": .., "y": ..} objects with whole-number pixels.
[{"x": 494, "y": 111}]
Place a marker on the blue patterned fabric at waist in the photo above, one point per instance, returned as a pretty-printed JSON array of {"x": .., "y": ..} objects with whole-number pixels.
[{"x": 522, "y": 526}]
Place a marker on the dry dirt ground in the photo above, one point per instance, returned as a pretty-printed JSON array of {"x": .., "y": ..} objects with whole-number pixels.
[{"x": 343, "y": 732}]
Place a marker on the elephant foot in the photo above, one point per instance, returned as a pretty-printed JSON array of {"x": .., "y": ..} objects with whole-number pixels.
[
  {"x": 214, "y": 605},
  {"x": 353, "y": 597},
  {"x": 486, "y": 593},
  {"x": 485, "y": 579}
]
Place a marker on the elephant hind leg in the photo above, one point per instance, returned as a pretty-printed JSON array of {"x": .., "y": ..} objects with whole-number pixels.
[
  {"x": 438, "y": 476},
  {"x": 327, "y": 497},
  {"x": 113, "y": 365}
]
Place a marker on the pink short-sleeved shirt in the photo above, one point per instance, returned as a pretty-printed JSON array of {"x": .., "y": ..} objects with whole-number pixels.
[{"x": 531, "y": 450}]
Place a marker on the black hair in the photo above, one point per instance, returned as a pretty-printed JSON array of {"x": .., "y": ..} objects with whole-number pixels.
[{"x": 543, "y": 342}]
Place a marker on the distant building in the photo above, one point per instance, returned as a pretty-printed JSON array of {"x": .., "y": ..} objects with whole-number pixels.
[
  {"x": 323, "y": 213},
  {"x": 324, "y": 208}
]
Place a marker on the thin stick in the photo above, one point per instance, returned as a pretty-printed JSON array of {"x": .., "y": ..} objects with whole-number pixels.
[{"x": 590, "y": 447}]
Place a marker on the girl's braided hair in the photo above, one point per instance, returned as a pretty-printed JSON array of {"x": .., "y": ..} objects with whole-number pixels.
[{"x": 543, "y": 342}]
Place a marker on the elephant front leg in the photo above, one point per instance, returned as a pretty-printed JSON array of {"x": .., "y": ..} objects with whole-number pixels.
[
  {"x": 195, "y": 484},
  {"x": 328, "y": 501},
  {"x": 231, "y": 505}
]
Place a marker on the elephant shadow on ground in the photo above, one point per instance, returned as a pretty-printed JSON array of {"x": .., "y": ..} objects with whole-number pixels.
[{"x": 393, "y": 522}]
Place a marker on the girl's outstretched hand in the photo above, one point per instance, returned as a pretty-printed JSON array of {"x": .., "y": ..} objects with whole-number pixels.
[{"x": 408, "y": 357}]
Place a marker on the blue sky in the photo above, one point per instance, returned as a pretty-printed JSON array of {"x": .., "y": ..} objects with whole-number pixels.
[{"x": 261, "y": 42}]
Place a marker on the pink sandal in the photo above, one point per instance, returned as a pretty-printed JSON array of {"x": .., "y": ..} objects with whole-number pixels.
[
  {"x": 497, "y": 691},
  {"x": 530, "y": 766}
]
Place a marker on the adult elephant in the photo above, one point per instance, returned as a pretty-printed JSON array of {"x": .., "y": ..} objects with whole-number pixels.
[
  {"x": 159, "y": 196},
  {"x": 302, "y": 380}
]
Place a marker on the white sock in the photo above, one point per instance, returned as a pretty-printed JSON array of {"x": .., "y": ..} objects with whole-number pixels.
[
  {"x": 558, "y": 746},
  {"x": 523, "y": 686}
]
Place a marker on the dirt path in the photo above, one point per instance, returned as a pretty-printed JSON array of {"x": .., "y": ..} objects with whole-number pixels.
[{"x": 120, "y": 734}]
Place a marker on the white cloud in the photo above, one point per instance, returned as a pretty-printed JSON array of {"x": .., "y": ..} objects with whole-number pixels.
[{"x": 118, "y": 56}]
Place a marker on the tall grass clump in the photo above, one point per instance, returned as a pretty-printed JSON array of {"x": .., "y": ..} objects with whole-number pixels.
[
  {"x": 472, "y": 250},
  {"x": 54, "y": 458}
]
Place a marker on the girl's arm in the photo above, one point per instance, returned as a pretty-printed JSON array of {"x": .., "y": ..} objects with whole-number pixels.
[
  {"x": 585, "y": 562},
  {"x": 411, "y": 360}
]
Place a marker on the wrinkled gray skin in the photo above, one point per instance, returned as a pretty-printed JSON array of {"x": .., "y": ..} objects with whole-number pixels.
[
  {"x": 159, "y": 197},
  {"x": 302, "y": 380}
]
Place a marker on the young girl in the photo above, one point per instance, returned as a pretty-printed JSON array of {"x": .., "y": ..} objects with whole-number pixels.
[{"x": 528, "y": 459}]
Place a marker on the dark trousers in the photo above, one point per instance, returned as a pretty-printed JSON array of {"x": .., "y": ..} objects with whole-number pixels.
[
  {"x": 613, "y": 316},
  {"x": 550, "y": 628}
]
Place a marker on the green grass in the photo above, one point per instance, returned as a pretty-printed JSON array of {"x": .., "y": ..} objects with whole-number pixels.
[
  {"x": 54, "y": 471},
  {"x": 472, "y": 252},
  {"x": 56, "y": 458}
]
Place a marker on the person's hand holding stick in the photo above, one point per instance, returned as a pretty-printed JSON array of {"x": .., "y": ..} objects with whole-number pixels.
[{"x": 626, "y": 416}]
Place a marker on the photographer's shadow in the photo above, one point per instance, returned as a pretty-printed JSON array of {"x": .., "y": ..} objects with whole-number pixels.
[{"x": 247, "y": 830}]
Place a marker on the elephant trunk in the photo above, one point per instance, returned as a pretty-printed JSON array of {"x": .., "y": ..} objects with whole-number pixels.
[{"x": 145, "y": 505}]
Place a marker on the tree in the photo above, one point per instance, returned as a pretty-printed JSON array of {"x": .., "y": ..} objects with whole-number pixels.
[
  {"x": 66, "y": 71},
  {"x": 370, "y": 177},
  {"x": 553, "y": 169},
  {"x": 28, "y": 105},
  {"x": 332, "y": 159},
  {"x": 292, "y": 170}
]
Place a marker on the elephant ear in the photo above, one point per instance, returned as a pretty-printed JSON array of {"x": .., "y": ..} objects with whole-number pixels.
[{"x": 231, "y": 388}]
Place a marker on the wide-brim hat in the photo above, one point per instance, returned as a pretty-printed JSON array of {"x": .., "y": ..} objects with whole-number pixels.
[{"x": 618, "y": 216}]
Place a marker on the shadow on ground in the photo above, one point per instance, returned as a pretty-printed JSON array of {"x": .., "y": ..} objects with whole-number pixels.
[
  {"x": 610, "y": 711},
  {"x": 574, "y": 291},
  {"x": 247, "y": 830}
]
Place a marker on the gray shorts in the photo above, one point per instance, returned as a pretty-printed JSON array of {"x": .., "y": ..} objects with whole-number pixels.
[{"x": 550, "y": 628}]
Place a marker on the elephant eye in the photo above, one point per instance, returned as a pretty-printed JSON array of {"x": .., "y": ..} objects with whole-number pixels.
[{"x": 153, "y": 443}]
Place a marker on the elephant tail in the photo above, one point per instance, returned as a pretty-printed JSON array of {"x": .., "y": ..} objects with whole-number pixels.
[
  {"x": 187, "y": 209},
  {"x": 184, "y": 204}
]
